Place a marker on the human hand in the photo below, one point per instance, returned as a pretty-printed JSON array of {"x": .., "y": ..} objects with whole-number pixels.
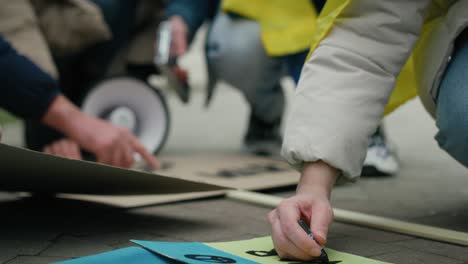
[
  {"x": 64, "y": 148},
  {"x": 179, "y": 33},
  {"x": 311, "y": 204},
  {"x": 110, "y": 144}
]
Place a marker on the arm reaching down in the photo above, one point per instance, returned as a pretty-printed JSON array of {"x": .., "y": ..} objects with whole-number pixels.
[
  {"x": 347, "y": 82},
  {"x": 112, "y": 145},
  {"x": 339, "y": 102},
  {"x": 311, "y": 204},
  {"x": 28, "y": 92}
]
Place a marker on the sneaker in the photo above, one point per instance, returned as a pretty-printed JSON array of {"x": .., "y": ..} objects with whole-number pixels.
[
  {"x": 263, "y": 138},
  {"x": 381, "y": 159}
]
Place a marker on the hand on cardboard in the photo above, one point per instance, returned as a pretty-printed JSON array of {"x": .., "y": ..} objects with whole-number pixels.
[
  {"x": 110, "y": 144},
  {"x": 64, "y": 148},
  {"x": 311, "y": 204},
  {"x": 179, "y": 36}
]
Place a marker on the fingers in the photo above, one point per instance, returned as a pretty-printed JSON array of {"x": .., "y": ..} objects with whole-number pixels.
[
  {"x": 117, "y": 155},
  {"x": 122, "y": 155},
  {"x": 74, "y": 150},
  {"x": 47, "y": 150},
  {"x": 179, "y": 32},
  {"x": 289, "y": 213},
  {"x": 127, "y": 159},
  {"x": 104, "y": 156},
  {"x": 321, "y": 219},
  {"x": 150, "y": 159},
  {"x": 285, "y": 248},
  {"x": 115, "y": 146},
  {"x": 290, "y": 240},
  {"x": 64, "y": 148},
  {"x": 179, "y": 45},
  {"x": 120, "y": 152}
]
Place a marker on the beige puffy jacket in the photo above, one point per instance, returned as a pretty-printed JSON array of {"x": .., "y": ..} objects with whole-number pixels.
[
  {"x": 348, "y": 79},
  {"x": 38, "y": 28}
]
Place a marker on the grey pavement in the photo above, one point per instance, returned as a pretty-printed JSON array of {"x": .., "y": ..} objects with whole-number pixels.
[{"x": 431, "y": 189}]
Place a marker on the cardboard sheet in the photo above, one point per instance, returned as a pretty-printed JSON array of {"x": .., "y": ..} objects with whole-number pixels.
[
  {"x": 29, "y": 171},
  {"x": 233, "y": 170},
  {"x": 257, "y": 250}
]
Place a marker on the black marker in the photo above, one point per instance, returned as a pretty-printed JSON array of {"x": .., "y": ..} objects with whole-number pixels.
[{"x": 323, "y": 256}]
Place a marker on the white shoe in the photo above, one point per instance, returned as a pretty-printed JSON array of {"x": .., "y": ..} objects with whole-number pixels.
[{"x": 381, "y": 159}]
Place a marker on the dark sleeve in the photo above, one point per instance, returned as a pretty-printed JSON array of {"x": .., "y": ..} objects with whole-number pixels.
[
  {"x": 194, "y": 12},
  {"x": 319, "y": 5},
  {"x": 25, "y": 90}
]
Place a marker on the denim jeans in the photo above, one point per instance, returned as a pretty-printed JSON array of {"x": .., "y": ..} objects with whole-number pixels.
[
  {"x": 238, "y": 57},
  {"x": 294, "y": 63},
  {"x": 452, "y": 104}
]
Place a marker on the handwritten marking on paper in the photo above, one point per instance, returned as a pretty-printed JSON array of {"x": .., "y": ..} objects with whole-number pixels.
[
  {"x": 210, "y": 258},
  {"x": 250, "y": 170}
]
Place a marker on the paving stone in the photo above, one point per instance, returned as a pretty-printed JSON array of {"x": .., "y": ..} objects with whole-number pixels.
[
  {"x": 117, "y": 238},
  {"x": 415, "y": 257},
  {"x": 34, "y": 260},
  {"x": 5, "y": 256},
  {"x": 449, "y": 220},
  {"x": 392, "y": 209},
  {"x": 217, "y": 228},
  {"x": 27, "y": 233},
  {"x": 361, "y": 247},
  {"x": 367, "y": 233},
  {"x": 8, "y": 196},
  {"x": 71, "y": 247},
  {"x": 231, "y": 208},
  {"x": 206, "y": 225},
  {"x": 431, "y": 188},
  {"x": 11, "y": 248},
  {"x": 438, "y": 248}
]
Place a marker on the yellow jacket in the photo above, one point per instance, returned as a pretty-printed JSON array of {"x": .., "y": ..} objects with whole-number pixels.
[
  {"x": 420, "y": 73},
  {"x": 361, "y": 52},
  {"x": 286, "y": 26}
]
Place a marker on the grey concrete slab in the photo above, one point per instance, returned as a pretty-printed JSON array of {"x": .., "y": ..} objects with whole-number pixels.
[
  {"x": 430, "y": 188},
  {"x": 207, "y": 224},
  {"x": 361, "y": 247},
  {"x": 452, "y": 220},
  {"x": 11, "y": 248},
  {"x": 72, "y": 247},
  {"x": 437, "y": 248},
  {"x": 368, "y": 234},
  {"x": 34, "y": 260},
  {"x": 7, "y": 256},
  {"x": 415, "y": 257}
]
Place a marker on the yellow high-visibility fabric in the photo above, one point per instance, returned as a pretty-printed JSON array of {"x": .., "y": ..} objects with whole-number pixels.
[
  {"x": 407, "y": 83},
  {"x": 286, "y": 26}
]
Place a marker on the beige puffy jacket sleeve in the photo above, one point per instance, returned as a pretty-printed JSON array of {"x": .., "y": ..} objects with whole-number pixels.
[{"x": 347, "y": 82}]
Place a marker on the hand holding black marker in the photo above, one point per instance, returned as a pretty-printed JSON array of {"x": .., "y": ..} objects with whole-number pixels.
[{"x": 323, "y": 256}]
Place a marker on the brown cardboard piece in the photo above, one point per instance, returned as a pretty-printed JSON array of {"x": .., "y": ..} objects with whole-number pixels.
[
  {"x": 30, "y": 171},
  {"x": 233, "y": 170}
]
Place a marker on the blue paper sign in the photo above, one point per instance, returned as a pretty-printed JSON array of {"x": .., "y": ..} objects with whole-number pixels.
[
  {"x": 192, "y": 252},
  {"x": 129, "y": 255}
]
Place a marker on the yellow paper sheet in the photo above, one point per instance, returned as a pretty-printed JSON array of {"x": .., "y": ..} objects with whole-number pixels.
[{"x": 253, "y": 249}]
